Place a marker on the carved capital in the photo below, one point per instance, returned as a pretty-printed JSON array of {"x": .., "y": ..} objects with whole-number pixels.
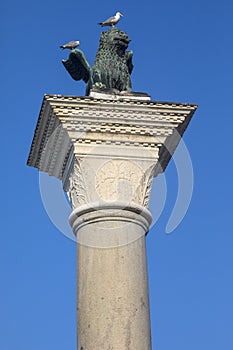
[
  {"x": 98, "y": 179},
  {"x": 107, "y": 149}
]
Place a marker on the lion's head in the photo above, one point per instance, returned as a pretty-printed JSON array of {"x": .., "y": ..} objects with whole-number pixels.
[{"x": 114, "y": 37}]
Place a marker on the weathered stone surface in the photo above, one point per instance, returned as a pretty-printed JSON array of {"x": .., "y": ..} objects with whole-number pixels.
[
  {"x": 112, "y": 292},
  {"x": 107, "y": 150}
]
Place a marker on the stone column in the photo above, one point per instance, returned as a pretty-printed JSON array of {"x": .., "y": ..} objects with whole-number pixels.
[
  {"x": 107, "y": 150},
  {"x": 112, "y": 289}
]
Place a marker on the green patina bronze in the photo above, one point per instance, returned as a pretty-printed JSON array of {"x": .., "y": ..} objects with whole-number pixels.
[{"x": 113, "y": 64}]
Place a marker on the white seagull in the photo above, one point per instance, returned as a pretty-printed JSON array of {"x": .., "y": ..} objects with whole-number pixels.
[
  {"x": 70, "y": 45},
  {"x": 112, "y": 20}
]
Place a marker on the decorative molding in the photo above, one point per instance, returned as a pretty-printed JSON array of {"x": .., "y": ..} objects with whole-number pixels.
[{"x": 106, "y": 149}]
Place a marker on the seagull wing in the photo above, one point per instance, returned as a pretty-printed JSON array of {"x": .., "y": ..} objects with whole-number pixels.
[
  {"x": 108, "y": 21},
  {"x": 70, "y": 45},
  {"x": 77, "y": 66}
]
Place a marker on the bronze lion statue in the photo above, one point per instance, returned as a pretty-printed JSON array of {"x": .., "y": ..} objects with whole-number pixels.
[{"x": 112, "y": 67}]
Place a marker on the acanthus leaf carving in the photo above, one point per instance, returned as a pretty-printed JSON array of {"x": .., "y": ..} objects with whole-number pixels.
[
  {"x": 148, "y": 180},
  {"x": 77, "y": 191}
]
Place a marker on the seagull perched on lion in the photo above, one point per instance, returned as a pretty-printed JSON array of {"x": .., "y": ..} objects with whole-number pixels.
[
  {"x": 111, "y": 21},
  {"x": 70, "y": 45}
]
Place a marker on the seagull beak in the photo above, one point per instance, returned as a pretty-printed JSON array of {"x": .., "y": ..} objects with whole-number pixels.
[{"x": 121, "y": 15}]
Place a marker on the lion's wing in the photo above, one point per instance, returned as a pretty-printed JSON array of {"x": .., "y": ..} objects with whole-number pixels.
[
  {"x": 77, "y": 66},
  {"x": 129, "y": 60}
]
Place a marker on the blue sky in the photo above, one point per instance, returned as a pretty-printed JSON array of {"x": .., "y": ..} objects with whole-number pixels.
[{"x": 183, "y": 51}]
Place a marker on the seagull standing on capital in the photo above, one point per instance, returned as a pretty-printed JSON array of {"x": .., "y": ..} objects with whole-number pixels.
[{"x": 111, "y": 21}]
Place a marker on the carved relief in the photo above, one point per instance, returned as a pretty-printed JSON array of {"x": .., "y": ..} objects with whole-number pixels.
[
  {"x": 77, "y": 191},
  {"x": 122, "y": 180},
  {"x": 148, "y": 179}
]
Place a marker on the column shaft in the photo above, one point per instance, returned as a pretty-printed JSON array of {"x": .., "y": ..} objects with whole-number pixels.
[{"x": 112, "y": 286}]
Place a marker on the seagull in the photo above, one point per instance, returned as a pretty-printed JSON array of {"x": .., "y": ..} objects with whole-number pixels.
[
  {"x": 70, "y": 45},
  {"x": 111, "y": 21}
]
